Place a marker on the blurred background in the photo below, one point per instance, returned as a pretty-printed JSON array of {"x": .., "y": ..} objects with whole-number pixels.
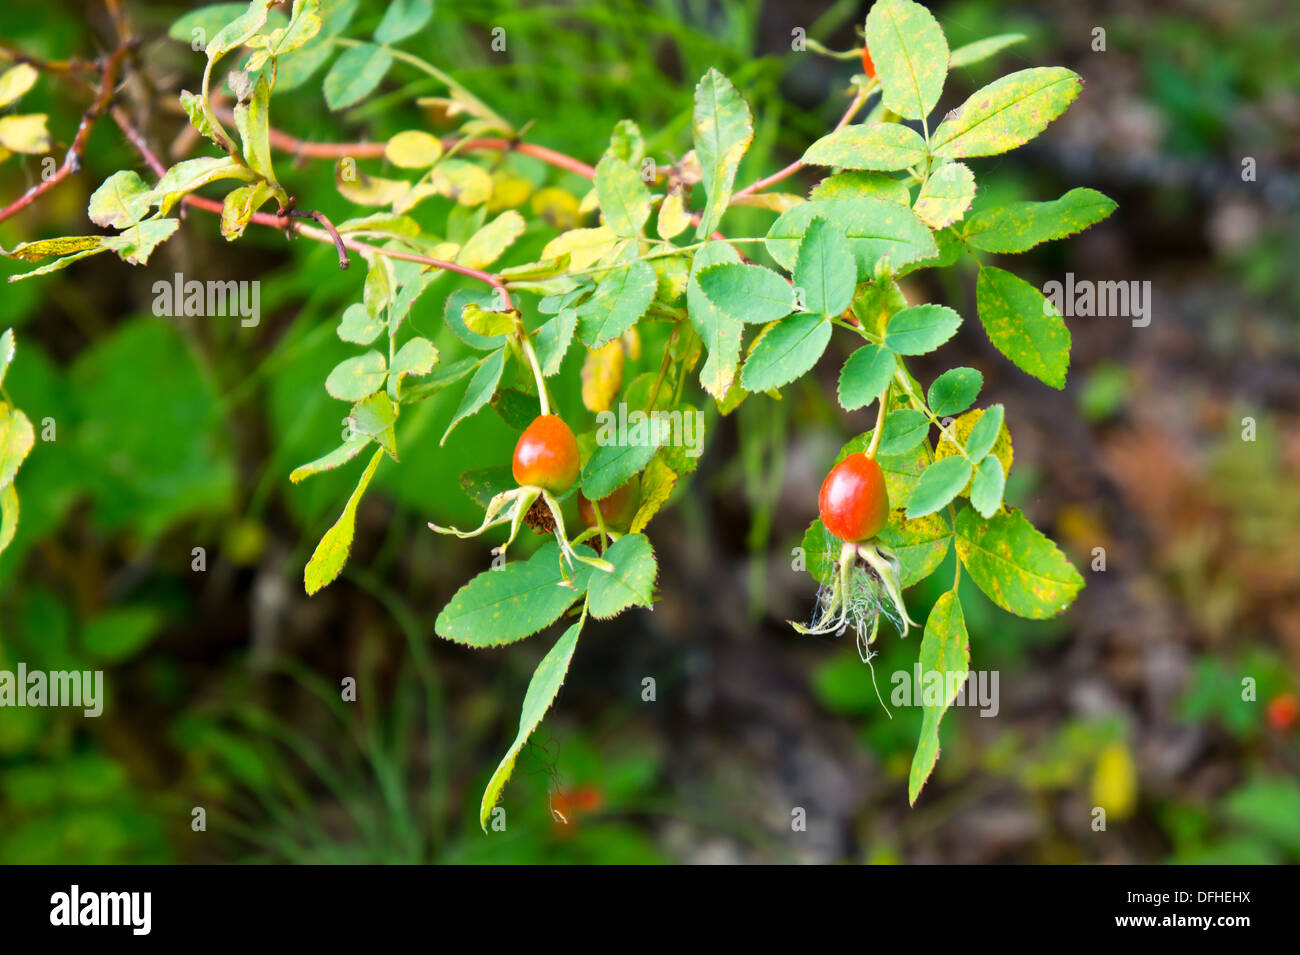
[{"x": 223, "y": 685}]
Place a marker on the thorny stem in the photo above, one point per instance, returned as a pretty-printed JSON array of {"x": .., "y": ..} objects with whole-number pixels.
[
  {"x": 367, "y": 150},
  {"x": 761, "y": 184},
  {"x": 286, "y": 222}
]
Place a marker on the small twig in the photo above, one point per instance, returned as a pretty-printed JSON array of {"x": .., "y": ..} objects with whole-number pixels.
[
  {"x": 72, "y": 161},
  {"x": 761, "y": 184},
  {"x": 323, "y": 220}
]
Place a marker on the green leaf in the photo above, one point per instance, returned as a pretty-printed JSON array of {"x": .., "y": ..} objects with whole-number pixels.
[
  {"x": 136, "y": 244},
  {"x": 872, "y": 146},
  {"x": 1024, "y": 325},
  {"x": 239, "y": 205},
  {"x": 61, "y": 263},
  {"x": 374, "y": 417},
  {"x": 946, "y": 195},
  {"x": 403, "y": 18},
  {"x": 121, "y": 200},
  {"x": 508, "y": 603},
  {"x": 630, "y": 583},
  {"x": 921, "y": 545},
  {"x": 622, "y": 196},
  {"x": 855, "y": 185},
  {"x": 954, "y": 391},
  {"x": 487, "y": 244},
  {"x": 438, "y": 379},
  {"x": 339, "y": 456},
  {"x": 304, "y": 24},
  {"x": 749, "y": 292},
  {"x": 825, "y": 269},
  {"x": 380, "y": 285},
  {"x": 252, "y": 119},
  {"x": 7, "y": 348},
  {"x": 64, "y": 245},
  {"x": 355, "y": 75},
  {"x": 542, "y": 690},
  {"x": 184, "y": 177},
  {"x": 865, "y": 375},
  {"x": 454, "y": 317},
  {"x": 921, "y": 329},
  {"x": 944, "y": 659},
  {"x": 1270, "y": 807},
  {"x": 982, "y": 49},
  {"x": 1007, "y": 113},
  {"x": 417, "y": 357},
  {"x": 120, "y": 633},
  {"x": 821, "y": 550},
  {"x": 938, "y": 485},
  {"x": 626, "y": 141},
  {"x": 620, "y": 300},
  {"x": 17, "y": 438},
  {"x": 480, "y": 390},
  {"x": 517, "y": 409},
  {"x": 875, "y": 228},
  {"x": 905, "y": 428},
  {"x": 199, "y": 119},
  {"x": 358, "y": 326},
  {"x": 612, "y": 465},
  {"x": 332, "y": 552},
  {"x": 720, "y": 331},
  {"x": 1020, "y": 226},
  {"x": 910, "y": 54},
  {"x": 483, "y": 484},
  {"x": 354, "y": 378},
  {"x": 552, "y": 340},
  {"x": 987, "y": 487},
  {"x": 723, "y": 131},
  {"x": 784, "y": 351},
  {"x": 8, "y": 515},
  {"x": 1018, "y": 568},
  {"x": 985, "y": 431}
]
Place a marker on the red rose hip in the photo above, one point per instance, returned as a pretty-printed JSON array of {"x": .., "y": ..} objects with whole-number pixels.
[
  {"x": 546, "y": 455},
  {"x": 853, "y": 502}
]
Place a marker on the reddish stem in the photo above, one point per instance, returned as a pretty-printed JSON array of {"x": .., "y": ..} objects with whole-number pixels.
[{"x": 72, "y": 161}]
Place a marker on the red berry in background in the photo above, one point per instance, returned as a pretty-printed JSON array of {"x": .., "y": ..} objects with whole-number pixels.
[
  {"x": 1283, "y": 711},
  {"x": 868, "y": 66},
  {"x": 853, "y": 502},
  {"x": 616, "y": 508},
  {"x": 546, "y": 455}
]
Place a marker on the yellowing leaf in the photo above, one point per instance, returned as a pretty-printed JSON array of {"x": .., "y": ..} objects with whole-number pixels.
[
  {"x": 413, "y": 149},
  {"x": 487, "y": 244},
  {"x": 25, "y": 134},
  {"x": 602, "y": 376},
  {"x": 16, "y": 81},
  {"x": 332, "y": 552}
]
